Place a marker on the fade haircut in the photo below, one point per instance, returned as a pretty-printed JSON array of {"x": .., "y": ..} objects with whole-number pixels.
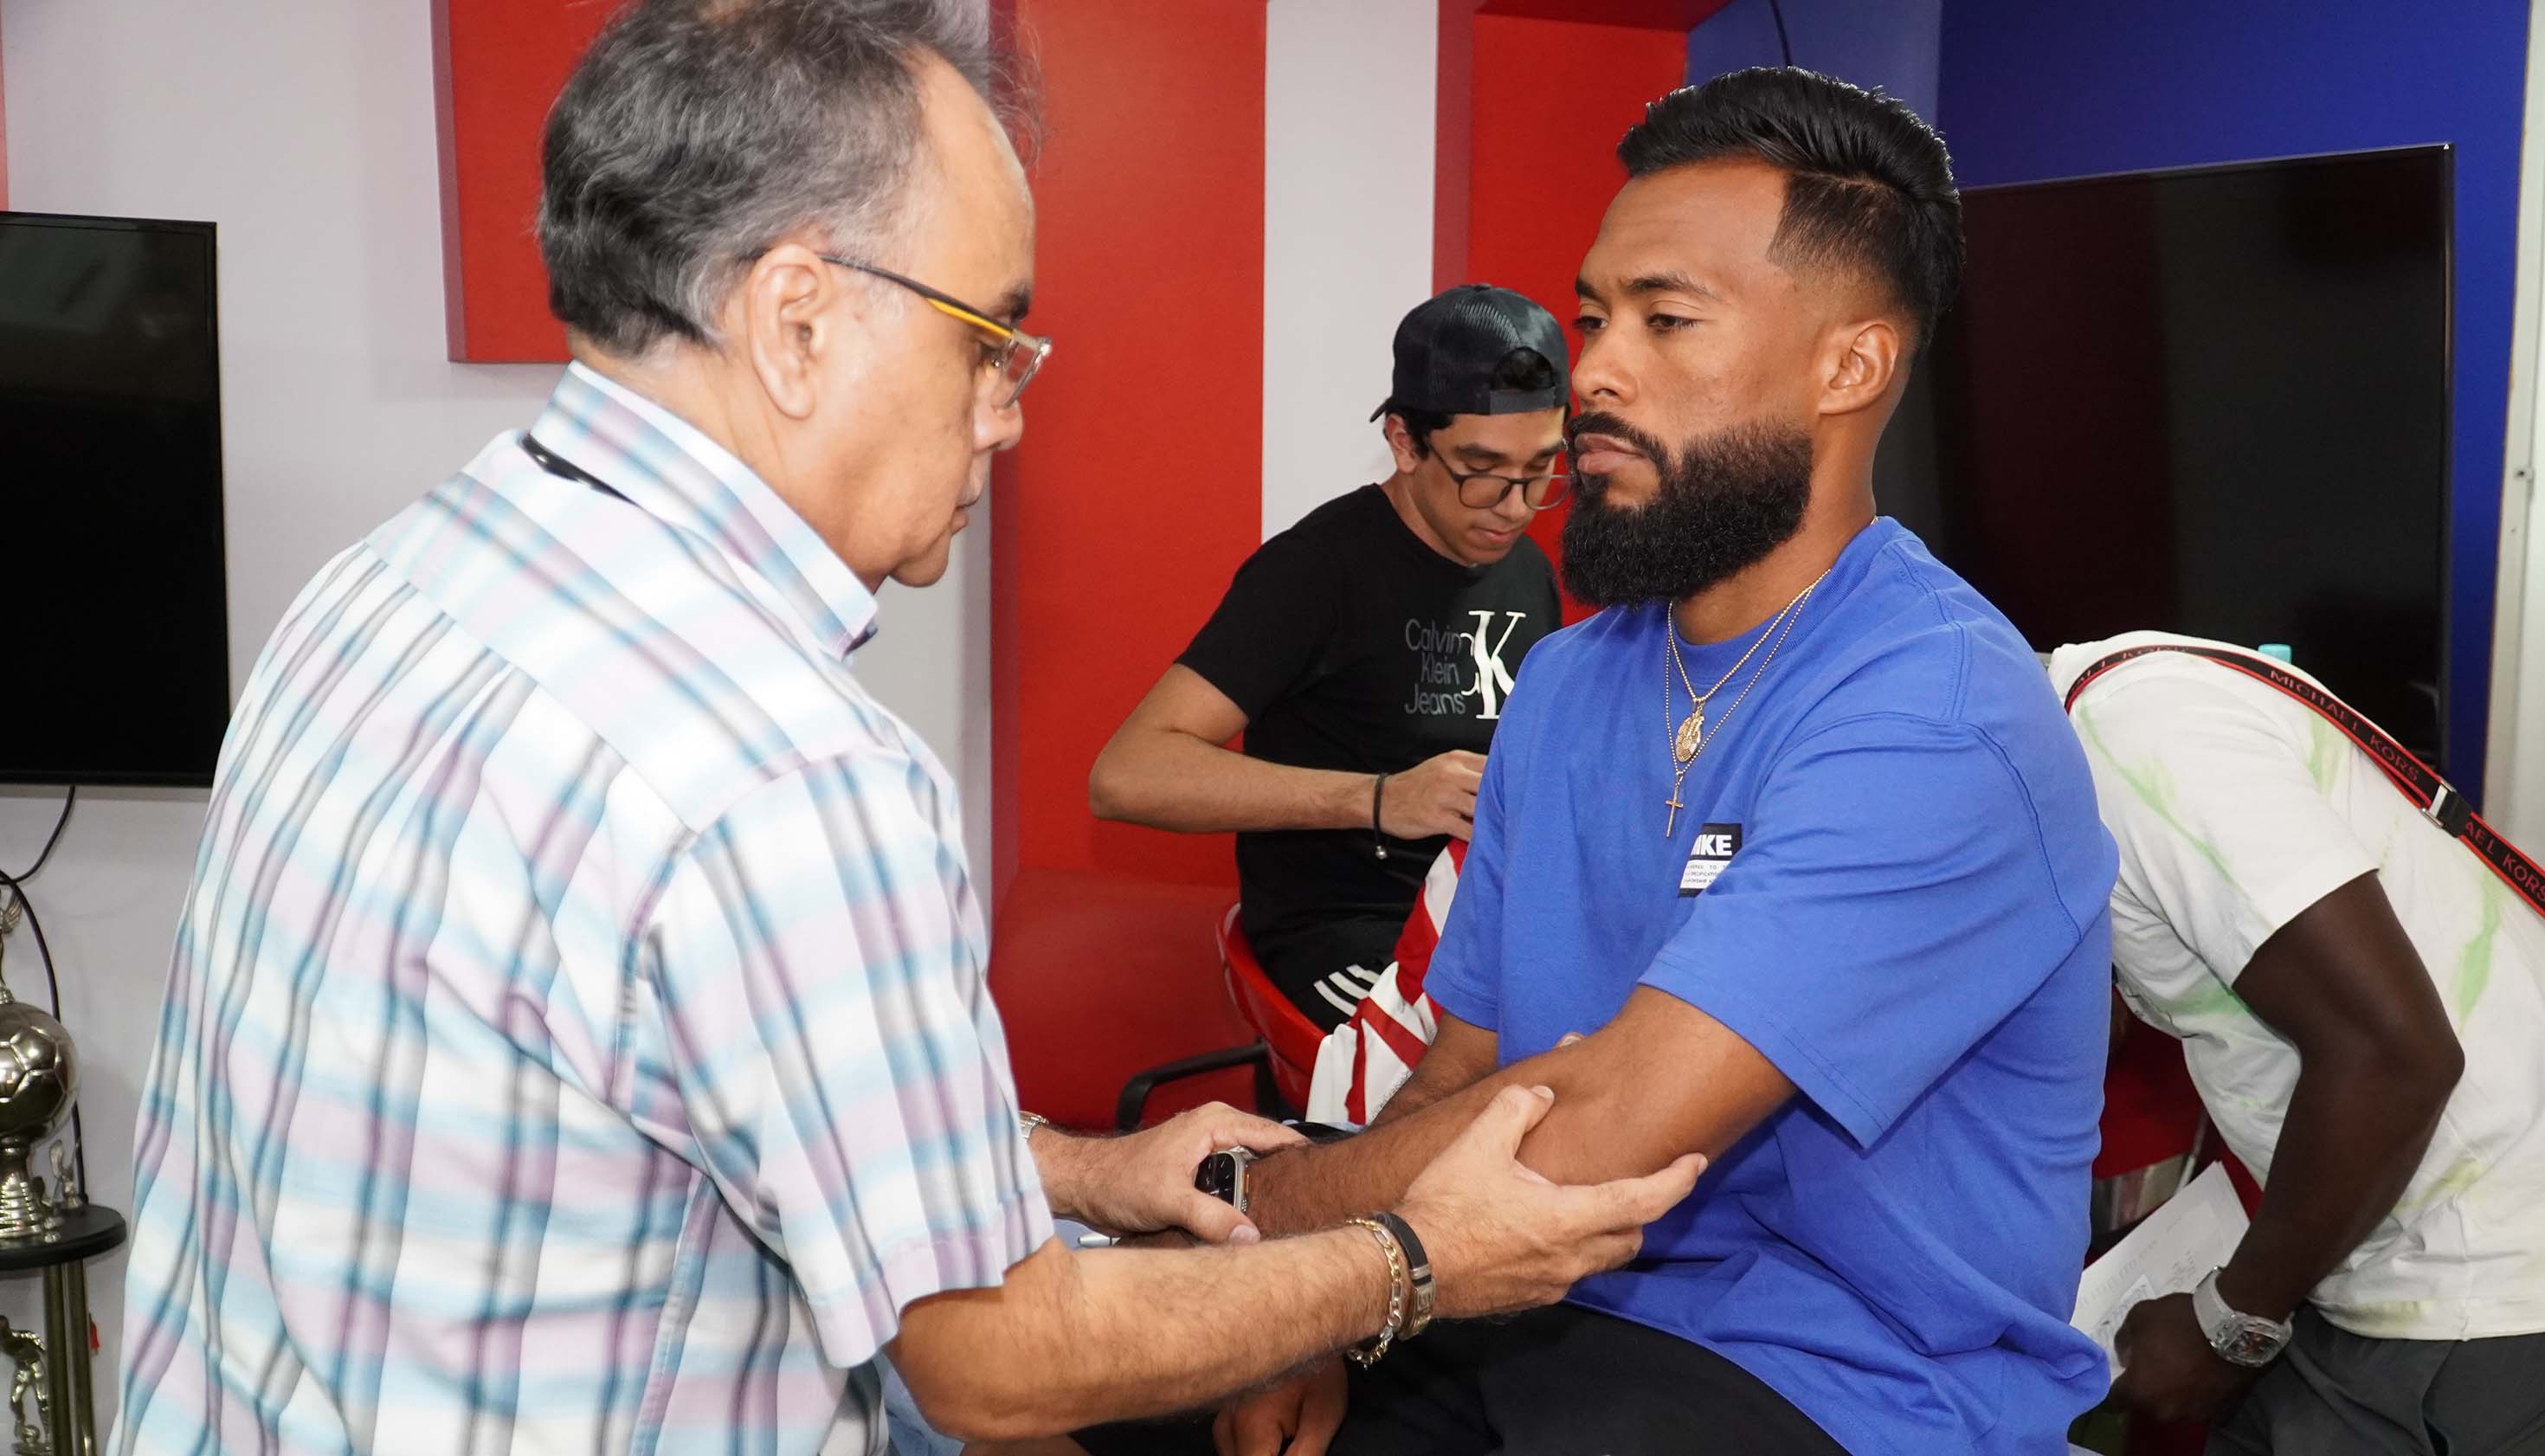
[
  {"x": 696, "y": 135},
  {"x": 1868, "y": 186}
]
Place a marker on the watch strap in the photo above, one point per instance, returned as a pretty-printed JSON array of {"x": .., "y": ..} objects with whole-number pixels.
[{"x": 1418, "y": 1265}]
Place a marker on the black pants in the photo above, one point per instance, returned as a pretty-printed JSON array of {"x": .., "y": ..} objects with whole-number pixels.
[{"x": 1558, "y": 1382}]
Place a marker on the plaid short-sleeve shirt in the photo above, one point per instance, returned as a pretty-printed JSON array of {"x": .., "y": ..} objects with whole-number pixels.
[{"x": 577, "y": 1038}]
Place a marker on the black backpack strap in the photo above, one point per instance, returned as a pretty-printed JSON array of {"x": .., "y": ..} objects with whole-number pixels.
[{"x": 2415, "y": 780}]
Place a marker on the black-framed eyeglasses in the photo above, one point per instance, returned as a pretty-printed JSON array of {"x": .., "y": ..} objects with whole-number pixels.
[
  {"x": 1016, "y": 356},
  {"x": 1483, "y": 490}
]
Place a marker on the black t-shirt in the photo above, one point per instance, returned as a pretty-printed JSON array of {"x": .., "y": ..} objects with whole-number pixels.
[{"x": 1351, "y": 645}]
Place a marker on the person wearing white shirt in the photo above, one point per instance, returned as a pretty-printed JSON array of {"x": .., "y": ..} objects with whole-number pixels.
[{"x": 2362, "y": 1000}]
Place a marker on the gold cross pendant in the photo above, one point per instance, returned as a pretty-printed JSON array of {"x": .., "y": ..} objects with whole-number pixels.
[{"x": 1675, "y": 806}]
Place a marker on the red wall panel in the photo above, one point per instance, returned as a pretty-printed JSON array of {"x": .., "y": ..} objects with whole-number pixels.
[
  {"x": 1680, "y": 16},
  {"x": 497, "y": 64},
  {"x": 1115, "y": 525},
  {"x": 1453, "y": 142},
  {"x": 1543, "y": 153},
  {"x": 1138, "y": 487}
]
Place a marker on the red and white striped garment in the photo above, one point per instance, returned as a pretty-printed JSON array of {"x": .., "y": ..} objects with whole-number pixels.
[{"x": 1363, "y": 1061}]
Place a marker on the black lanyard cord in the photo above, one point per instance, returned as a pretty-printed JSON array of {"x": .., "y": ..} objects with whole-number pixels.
[{"x": 561, "y": 467}]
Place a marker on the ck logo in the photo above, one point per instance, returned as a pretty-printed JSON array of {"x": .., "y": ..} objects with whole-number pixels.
[
  {"x": 1716, "y": 844},
  {"x": 1493, "y": 679}
]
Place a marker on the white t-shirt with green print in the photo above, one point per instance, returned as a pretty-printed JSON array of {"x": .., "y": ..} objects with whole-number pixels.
[{"x": 2234, "y": 808}]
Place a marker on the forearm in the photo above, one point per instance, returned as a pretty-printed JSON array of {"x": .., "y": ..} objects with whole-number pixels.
[
  {"x": 1373, "y": 1171},
  {"x": 1071, "y": 1340},
  {"x": 2352, "y": 1140},
  {"x": 1171, "y": 781},
  {"x": 1583, "y": 1138},
  {"x": 1066, "y": 1165},
  {"x": 1452, "y": 1065},
  {"x": 1661, "y": 1081},
  {"x": 1311, "y": 1188}
]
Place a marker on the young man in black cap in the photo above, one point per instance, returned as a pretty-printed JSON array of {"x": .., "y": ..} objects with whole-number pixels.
[{"x": 1365, "y": 654}]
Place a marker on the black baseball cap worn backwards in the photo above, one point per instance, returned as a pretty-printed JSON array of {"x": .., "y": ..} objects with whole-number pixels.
[{"x": 1448, "y": 347}]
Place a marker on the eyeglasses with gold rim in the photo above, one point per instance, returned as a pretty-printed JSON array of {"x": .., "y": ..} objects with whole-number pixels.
[{"x": 1017, "y": 354}]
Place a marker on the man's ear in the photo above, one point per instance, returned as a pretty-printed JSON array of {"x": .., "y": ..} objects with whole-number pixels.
[
  {"x": 1400, "y": 444},
  {"x": 1861, "y": 363},
  {"x": 785, "y": 323}
]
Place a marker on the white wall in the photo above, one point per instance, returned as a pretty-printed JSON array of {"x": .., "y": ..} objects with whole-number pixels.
[
  {"x": 2515, "y": 789},
  {"x": 2522, "y": 807},
  {"x": 2514, "y": 778},
  {"x": 305, "y": 129},
  {"x": 1349, "y": 119}
]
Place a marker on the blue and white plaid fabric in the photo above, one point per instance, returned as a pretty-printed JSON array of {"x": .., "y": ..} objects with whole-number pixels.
[{"x": 577, "y": 1038}]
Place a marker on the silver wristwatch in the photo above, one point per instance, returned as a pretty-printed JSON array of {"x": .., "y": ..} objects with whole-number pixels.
[
  {"x": 1222, "y": 1176},
  {"x": 2239, "y": 1339}
]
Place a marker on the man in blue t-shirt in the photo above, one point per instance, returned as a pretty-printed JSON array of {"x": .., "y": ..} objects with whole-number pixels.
[{"x": 1793, "y": 838}]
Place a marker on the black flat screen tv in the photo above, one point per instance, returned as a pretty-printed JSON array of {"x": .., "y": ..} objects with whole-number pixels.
[
  {"x": 117, "y": 664},
  {"x": 2211, "y": 401}
]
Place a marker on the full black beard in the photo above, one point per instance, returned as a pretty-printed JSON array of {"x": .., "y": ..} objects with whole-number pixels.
[{"x": 1725, "y": 502}]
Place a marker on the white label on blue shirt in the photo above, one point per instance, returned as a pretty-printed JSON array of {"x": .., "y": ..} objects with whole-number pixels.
[{"x": 1716, "y": 844}]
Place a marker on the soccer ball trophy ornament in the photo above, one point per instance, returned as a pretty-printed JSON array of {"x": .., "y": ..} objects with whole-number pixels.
[{"x": 38, "y": 1076}]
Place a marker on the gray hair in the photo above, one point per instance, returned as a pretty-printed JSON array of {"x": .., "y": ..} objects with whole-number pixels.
[{"x": 695, "y": 134}]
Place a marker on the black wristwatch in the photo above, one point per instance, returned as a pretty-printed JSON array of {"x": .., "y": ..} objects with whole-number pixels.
[{"x": 1222, "y": 1176}]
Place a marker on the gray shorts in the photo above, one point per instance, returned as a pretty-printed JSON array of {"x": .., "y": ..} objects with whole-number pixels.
[{"x": 2332, "y": 1393}]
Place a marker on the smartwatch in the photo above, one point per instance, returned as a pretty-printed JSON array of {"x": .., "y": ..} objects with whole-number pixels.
[
  {"x": 2239, "y": 1339},
  {"x": 1222, "y": 1176}
]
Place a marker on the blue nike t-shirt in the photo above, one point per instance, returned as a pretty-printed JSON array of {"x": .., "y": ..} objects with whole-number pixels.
[{"x": 1890, "y": 879}]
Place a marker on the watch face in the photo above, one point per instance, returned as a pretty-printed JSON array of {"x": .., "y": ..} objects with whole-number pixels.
[
  {"x": 2251, "y": 1342},
  {"x": 1217, "y": 1176}
]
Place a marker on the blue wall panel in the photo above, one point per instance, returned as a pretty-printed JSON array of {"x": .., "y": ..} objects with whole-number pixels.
[
  {"x": 2030, "y": 90},
  {"x": 1891, "y": 44}
]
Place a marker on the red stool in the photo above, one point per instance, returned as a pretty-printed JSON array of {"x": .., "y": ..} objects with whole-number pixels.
[{"x": 1288, "y": 1035}]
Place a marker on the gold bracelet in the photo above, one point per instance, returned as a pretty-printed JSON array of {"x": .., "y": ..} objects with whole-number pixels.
[{"x": 1400, "y": 1290}]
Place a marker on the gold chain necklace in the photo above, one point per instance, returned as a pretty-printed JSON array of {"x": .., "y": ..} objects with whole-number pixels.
[
  {"x": 1692, "y": 735},
  {"x": 1692, "y": 728}
]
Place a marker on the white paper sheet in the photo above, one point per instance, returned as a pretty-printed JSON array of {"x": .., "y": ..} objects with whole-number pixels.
[{"x": 2193, "y": 1232}]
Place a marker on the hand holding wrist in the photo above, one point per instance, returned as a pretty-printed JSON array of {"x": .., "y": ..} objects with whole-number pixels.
[{"x": 1144, "y": 1181}]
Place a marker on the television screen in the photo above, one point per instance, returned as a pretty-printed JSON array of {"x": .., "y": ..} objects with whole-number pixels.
[
  {"x": 2211, "y": 401},
  {"x": 118, "y": 667}
]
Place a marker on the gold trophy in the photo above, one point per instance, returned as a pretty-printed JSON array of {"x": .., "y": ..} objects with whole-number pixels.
[{"x": 26, "y": 1351}]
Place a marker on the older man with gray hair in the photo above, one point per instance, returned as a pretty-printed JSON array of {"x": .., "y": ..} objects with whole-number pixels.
[{"x": 577, "y": 1037}]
